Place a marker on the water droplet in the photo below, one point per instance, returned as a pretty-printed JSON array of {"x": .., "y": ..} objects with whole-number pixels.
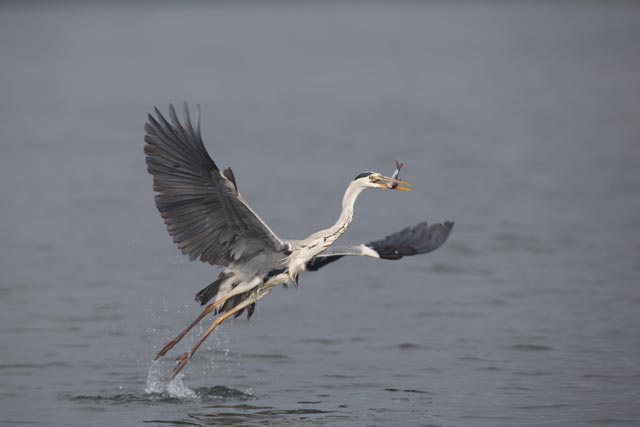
[
  {"x": 176, "y": 388},
  {"x": 155, "y": 383}
]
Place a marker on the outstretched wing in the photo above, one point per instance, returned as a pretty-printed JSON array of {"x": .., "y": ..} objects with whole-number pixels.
[
  {"x": 412, "y": 240},
  {"x": 201, "y": 206}
]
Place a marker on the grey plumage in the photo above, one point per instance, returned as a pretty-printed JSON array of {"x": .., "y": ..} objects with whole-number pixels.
[
  {"x": 419, "y": 239},
  {"x": 412, "y": 240},
  {"x": 201, "y": 207},
  {"x": 205, "y": 295},
  {"x": 209, "y": 220}
]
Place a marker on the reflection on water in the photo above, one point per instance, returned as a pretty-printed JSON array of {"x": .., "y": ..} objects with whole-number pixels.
[{"x": 517, "y": 120}]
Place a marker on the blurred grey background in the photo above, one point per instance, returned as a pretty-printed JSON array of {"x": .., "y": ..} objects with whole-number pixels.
[{"x": 518, "y": 120}]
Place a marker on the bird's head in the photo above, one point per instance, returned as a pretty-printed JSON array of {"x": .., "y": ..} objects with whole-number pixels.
[{"x": 377, "y": 180}]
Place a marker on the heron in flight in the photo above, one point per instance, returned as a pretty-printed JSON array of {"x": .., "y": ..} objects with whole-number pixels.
[{"x": 209, "y": 220}]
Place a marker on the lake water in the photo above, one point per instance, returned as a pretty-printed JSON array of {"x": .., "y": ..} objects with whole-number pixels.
[{"x": 517, "y": 120}]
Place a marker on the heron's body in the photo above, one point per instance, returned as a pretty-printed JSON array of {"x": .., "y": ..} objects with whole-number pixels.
[
  {"x": 255, "y": 278},
  {"x": 209, "y": 220}
]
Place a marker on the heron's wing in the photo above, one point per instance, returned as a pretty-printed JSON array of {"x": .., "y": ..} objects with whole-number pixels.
[
  {"x": 200, "y": 204},
  {"x": 412, "y": 240}
]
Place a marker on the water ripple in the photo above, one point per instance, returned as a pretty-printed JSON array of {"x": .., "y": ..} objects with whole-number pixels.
[
  {"x": 530, "y": 347},
  {"x": 203, "y": 394},
  {"x": 248, "y": 415}
]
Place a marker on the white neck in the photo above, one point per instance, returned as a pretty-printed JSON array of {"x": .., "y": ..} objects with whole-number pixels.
[
  {"x": 331, "y": 234},
  {"x": 321, "y": 240},
  {"x": 348, "y": 202}
]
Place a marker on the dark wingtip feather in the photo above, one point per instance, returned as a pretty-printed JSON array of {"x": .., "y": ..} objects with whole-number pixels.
[
  {"x": 186, "y": 117},
  {"x": 174, "y": 118},
  {"x": 149, "y": 149},
  {"x": 158, "y": 113},
  {"x": 203, "y": 214},
  {"x": 198, "y": 120},
  {"x": 412, "y": 240}
]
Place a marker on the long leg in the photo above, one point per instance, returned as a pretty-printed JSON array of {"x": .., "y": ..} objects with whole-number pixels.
[
  {"x": 184, "y": 357},
  {"x": 235, "y": 291},
  {"x": 175, "y": 340}
]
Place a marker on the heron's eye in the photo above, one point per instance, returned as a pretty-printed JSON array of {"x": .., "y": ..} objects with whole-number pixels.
[{"x": 373, "y": 178}]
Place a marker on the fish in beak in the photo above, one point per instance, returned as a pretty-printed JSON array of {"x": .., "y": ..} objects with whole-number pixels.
[{"x": 393, "y": 183}]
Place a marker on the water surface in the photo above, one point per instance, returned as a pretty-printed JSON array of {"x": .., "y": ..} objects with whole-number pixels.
[{"x": 517, "y": 120}]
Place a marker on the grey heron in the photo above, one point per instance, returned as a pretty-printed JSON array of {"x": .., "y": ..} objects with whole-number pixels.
[{"x": 209, "y": 220}]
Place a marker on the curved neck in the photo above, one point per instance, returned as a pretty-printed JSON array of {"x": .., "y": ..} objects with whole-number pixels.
[
  {"x": 348, "y": 202},
  {"x": 324, "y": 238},
  {"x": 346, "y": 216},
  {"x": 331, "y": 234}
]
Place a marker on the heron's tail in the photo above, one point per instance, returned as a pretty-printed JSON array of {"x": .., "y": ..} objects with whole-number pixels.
[{"x": 223, "y": 284}]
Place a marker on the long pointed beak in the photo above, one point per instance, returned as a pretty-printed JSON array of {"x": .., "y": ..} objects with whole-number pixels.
[
  {"x": 401, "y": 188},
  {"x": 394, "y": 184}
]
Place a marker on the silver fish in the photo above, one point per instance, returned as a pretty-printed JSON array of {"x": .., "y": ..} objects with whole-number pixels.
[{"x": 395, "y": 176}]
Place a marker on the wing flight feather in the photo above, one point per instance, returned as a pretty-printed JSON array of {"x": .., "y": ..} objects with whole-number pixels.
[
  {"x": 413, "y": 240},
  {"x": 200, "y": 205}
]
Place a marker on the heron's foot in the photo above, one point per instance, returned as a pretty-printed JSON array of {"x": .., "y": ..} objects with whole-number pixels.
[
  {"x": 180, "y": 362},
  {"x": 184, "y": 357}
]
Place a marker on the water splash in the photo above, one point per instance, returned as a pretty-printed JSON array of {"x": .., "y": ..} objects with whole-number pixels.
[
  {"x": 176, "y": 388},
  {"x": 157, "y": 384},
  {"x": 155, "y": 380}
]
